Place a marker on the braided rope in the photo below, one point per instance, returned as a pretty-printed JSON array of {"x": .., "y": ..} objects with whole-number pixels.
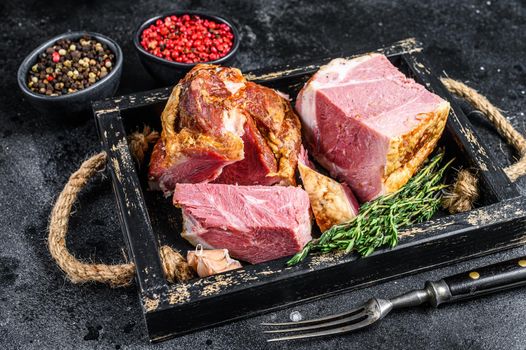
[
  {"x": 465, "y": 190},
  {"x": 175, "y": 266},
  {"x": 139, "y": 143}
]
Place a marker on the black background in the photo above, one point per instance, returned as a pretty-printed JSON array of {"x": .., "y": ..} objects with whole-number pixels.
[{"x": 480, "y": 42}]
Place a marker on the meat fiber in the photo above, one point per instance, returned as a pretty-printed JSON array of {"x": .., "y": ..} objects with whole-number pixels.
[
  {"x": 219, "y": 127},
  {"x": 368, "y": 124},
  {"x": 255, "y": 223},
  {"x": 332, "y": 202}
]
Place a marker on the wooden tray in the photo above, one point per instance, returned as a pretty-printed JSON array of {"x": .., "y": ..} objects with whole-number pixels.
[{"x": 149, "y": 220}]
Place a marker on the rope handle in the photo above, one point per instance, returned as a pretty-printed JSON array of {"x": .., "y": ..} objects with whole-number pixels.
[
  {"x": 464, "y": 193},
  {"x": 174, "y": 265}
]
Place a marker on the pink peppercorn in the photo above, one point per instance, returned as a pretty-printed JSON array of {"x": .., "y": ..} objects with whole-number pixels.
[
  {"x": 55, "y": 57},
  {"x": 187, "y": 39}
]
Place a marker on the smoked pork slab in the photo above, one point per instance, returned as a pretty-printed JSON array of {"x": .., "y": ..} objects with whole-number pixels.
[
  {"x": 255, "y": 223},
  {"x": 368, "y": 124},
  {"x": 219, "y": 127}
]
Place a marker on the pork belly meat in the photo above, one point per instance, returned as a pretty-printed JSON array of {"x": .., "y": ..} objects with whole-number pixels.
[
  {"x": 255, "y": 223},
  {"x": 368, "y": 124},
  {"x": 219, "y": 127}
]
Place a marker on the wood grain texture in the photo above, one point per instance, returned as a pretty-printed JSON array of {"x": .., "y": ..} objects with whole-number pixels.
[{"x": 142, "y": 244}]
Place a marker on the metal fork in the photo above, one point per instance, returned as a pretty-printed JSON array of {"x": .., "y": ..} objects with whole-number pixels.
[{"x": 465, "y": 285}]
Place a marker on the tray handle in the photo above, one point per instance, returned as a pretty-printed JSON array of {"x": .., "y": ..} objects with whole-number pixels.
[
  {"x": 465, "y": 189},
  {"x": 174, "y": 265}
]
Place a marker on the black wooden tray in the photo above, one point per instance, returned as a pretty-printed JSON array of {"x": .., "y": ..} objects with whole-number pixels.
[{"x": 148, "y": 220}]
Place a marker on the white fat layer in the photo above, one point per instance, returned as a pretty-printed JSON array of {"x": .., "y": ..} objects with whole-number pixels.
[
  {"x": 233, "y": 87},
  {"x": 192, "y": 231},
  {"x": 233, "y": 121},
  {"x": 340, "y": 66},
  {"x": 307, "y": 108}
]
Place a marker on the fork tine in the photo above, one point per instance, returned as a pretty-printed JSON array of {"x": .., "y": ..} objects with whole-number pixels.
[
  {"x": 332, "y": 331},
  {"x": 354, "y": 317},
  {"x": 316, "y": 320}
]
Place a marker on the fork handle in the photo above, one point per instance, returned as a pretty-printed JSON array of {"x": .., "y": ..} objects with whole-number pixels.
[{"x": 487, "y": 279}]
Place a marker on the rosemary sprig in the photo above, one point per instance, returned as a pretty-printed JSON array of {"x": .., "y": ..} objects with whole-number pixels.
[{"x": 378, "y": 221}]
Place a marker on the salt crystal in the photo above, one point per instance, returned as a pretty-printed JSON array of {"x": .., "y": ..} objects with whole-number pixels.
[{"x": 295, "y": 316}]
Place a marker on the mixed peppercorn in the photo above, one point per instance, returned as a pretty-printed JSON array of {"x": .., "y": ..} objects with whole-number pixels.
[
  {"x": 187, "y": 39},
  {"x": 69, "y": 66}
]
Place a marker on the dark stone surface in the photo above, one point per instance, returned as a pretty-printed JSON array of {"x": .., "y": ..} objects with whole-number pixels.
[{"x": 481, "y": 42}]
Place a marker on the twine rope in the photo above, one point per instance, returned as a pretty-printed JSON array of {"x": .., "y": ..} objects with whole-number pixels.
[
  {"x": 464, "y": 192},
  {"x": 139, "y": 143},
  {"x": 461, "y": 198},
  {"x": 174, "y": 265}
]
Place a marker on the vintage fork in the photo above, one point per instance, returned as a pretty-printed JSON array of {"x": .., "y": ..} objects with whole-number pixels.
[{"x": 465, "y": 285}]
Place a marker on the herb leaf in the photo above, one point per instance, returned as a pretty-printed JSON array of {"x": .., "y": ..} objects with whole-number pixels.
[{"x": 378, "y": 221}]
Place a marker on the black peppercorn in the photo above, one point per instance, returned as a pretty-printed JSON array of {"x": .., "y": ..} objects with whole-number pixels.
[{"x": 69, "y": 66}]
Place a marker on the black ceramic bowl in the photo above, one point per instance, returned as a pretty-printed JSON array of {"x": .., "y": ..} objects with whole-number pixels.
[
  {"x": 169, "y": 72},
  {"x": 77, "y": 101}
]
